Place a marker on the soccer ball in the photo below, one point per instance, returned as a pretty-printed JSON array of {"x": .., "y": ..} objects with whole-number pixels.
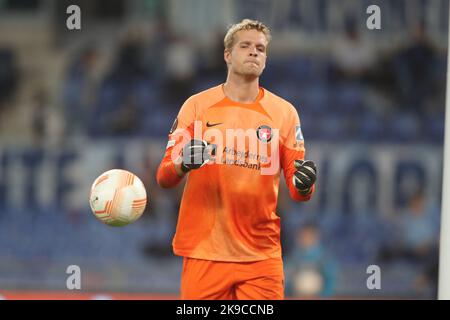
[{"x": 117, "y": 197}]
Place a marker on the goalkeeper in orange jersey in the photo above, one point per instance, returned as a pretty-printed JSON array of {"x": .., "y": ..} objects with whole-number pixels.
[{"x": 232, "y": 141}]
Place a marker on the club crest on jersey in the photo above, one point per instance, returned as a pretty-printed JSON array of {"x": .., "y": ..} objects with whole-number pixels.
[
  {"x": 298, "y": 133},
  {"x": 264, "y": 133}
]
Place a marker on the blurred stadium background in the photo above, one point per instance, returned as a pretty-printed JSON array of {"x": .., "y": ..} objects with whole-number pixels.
[{"x": 76, "y": 103}]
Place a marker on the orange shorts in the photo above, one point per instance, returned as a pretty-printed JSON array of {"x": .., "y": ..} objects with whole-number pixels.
[{"x": 217, "y": 280}]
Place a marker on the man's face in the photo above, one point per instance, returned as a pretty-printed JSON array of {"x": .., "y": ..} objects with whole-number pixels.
[
  {"x": 248, "y": 55},
  {"x": 308, "y": 238}
]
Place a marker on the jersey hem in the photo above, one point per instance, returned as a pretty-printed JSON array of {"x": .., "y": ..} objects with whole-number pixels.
[{"x": 223, "y": 258}]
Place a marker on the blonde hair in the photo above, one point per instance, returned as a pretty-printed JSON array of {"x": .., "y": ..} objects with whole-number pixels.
[{"x": 246, "y": 24}]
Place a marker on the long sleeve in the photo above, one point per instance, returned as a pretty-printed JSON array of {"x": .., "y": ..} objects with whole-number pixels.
[
  {"x": 181, "y": 132},
  {"x": 166, "y": 175},
  {"x": 292, "y": 149}
]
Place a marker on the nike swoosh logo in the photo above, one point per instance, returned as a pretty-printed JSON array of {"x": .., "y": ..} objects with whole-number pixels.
[{"x": 212, "y": 124}]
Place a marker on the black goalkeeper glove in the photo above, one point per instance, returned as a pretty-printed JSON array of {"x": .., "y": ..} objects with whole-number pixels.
[
  {"x": 195, "y": 155},
  {"x": 305, "y": 175}
]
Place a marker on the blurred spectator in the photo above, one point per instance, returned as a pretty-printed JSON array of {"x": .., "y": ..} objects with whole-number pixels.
[
  {"x": 215, "y": 65},
  {"x": 47, "y": 124},
  {"x": 353, "y": 58},
  {"x": 79, "y": 89},
  {"x": 117, "y": 108},
  {"x": 416, "y": 243},
  {"x": 130, "y": 64},
  {"x": 180, "y": 69},
  {"x": 414, "y": 68},
  {"x": 417, "y": 232},
  {"x": 163, "y": 218},
  {"x": 310, "y": 270},
  {"x": 156, "y": 49},
  {"x": 8, "y": 75},
  {"x": 39, "y": 116},
  {"x": 124, "y": 120}
]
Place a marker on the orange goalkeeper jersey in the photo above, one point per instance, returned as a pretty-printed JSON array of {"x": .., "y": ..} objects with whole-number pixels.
[{"x": 227, "y": 211}]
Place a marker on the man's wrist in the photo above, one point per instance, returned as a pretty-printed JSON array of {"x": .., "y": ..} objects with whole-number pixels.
[
  {"x": 179, "y": 170},
  {"x": 184, "y": 168}
]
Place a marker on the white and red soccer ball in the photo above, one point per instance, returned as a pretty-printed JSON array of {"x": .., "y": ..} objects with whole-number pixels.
[{"x": 118, "y": 197}]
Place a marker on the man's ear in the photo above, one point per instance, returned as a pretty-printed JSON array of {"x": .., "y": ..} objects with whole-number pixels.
[{"x": 227, "y": 56}]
